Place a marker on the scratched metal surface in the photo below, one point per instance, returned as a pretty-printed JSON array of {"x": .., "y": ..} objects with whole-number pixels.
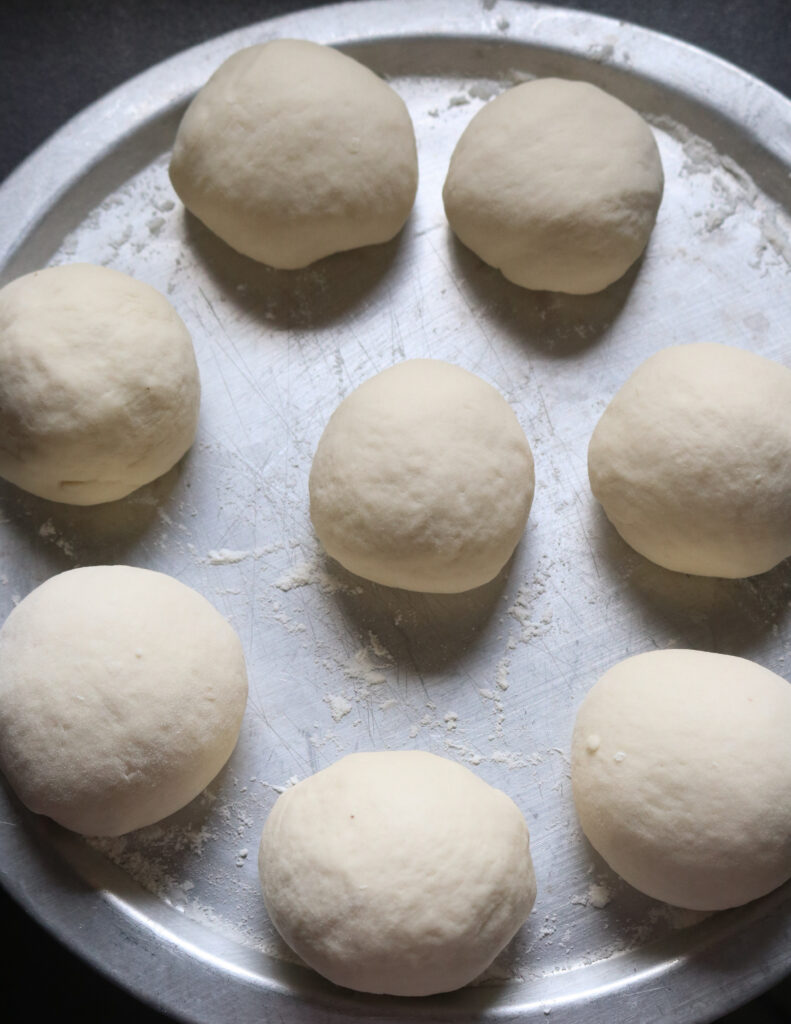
[{"x": 491, "y": 678}]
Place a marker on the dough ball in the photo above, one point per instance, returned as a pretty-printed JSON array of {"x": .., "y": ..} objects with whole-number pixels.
[
  {"x": 422, "y": 479},
  {"x": 121, "y": 697},
  {"x": 692, "y": 461},
  {"x": 681, "y": 771},
  {"x": 293, "y": 151},
  {"x": 99, "y": 389},
  {"x": 396, "y": 872},
  {"x": 556, "y": 184}
]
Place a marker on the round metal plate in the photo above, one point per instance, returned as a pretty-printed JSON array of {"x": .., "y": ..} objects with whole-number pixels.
[{"x": 491, "y": 678}]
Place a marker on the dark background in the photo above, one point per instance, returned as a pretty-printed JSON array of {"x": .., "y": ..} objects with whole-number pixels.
[{"x": 57, "y": 56}]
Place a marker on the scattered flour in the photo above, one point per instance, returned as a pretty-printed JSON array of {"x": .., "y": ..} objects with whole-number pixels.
[
  {"x": 511, "y": 759},
  {"x": 339, "y": 706},
  {"x": 734, "y": 192},
  {"x": 527, "y": 597},
  {"x": 285, "y": 620},
  {"x": 549, "y": 926},
  {"x": 49, "y": 532},
  {"x": 464, "y": 752},
  {"x": 483, "y": 90},
  {"x": 225, "y": 556},
  {"x": 292, "y": 781},
  {"x": 499, "y": 711},
  {"x": 598, "y": 895},
  {"x": 378, "y": 647},
  {"x": 361, "y": 668},
  {"x": 313, "y": 573},
  {"x": 229, "y": 556}
]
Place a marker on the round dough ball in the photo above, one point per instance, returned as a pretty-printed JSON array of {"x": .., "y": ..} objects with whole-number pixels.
[
  {"x": 293, "y": 151},
  {"x": 99, "y": 388},
  {"x": 396, "y": 872},
  {"x": 121, "y": 697},
  {"x": 422, "y": 479},
  {"x": 692, "y": 461},
  {"x": 681, "y": 771},
  {"x": 557, "y": 184}
]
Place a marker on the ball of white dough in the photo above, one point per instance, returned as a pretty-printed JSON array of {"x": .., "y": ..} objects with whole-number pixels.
[
  {"x": 293, "y": 151},
  {"x": 396, "y": 872},
  {"x": 99, "y": 388},
  {"x": 422, "y": 479},
  {"x": 121, "y": 697},
  {"x": 681, "y": 771},
  {"x": 692, "y": 461},
  {"x": 557, "y": 184}
]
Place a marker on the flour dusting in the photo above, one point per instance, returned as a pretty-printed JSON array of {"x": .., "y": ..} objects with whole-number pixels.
[{"x": 339, "y": 706}]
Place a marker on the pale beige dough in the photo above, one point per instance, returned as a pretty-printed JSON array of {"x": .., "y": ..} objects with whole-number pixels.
[
  {"x": 99, "y": 387},
  {"x": 681, "y": 772},
  {"x": 692, "y": 460},
  {"x": 396, "y": 872},
  {"x": 423, "y": 479},
  {"x": 121, "y": 697},
  {"x": 293, "y": 151},
  {"x": 557, "y": 184}
]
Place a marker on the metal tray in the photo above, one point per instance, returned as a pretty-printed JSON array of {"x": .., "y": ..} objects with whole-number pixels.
[{"x": 491, "y": 678}]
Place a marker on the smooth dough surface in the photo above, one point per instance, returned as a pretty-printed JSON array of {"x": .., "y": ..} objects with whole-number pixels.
[
  {"x": 681, "y": 772},
  {"x": 396, "y": 872},
  {"x": 692, "y": 461},
  {"x": 423, "y": 479},
  {"x": 293, "y": 151},
  {"x": 99, "y": 388},
  {"x": 121, "y": 697},
  {"x": 557, "y": 184}
]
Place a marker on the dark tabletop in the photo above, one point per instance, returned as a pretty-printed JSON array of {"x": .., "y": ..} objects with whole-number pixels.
[{"x": 57, "y": 56}]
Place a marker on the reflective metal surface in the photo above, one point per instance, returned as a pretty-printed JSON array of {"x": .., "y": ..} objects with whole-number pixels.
[{"x": 491, "y": 678}]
